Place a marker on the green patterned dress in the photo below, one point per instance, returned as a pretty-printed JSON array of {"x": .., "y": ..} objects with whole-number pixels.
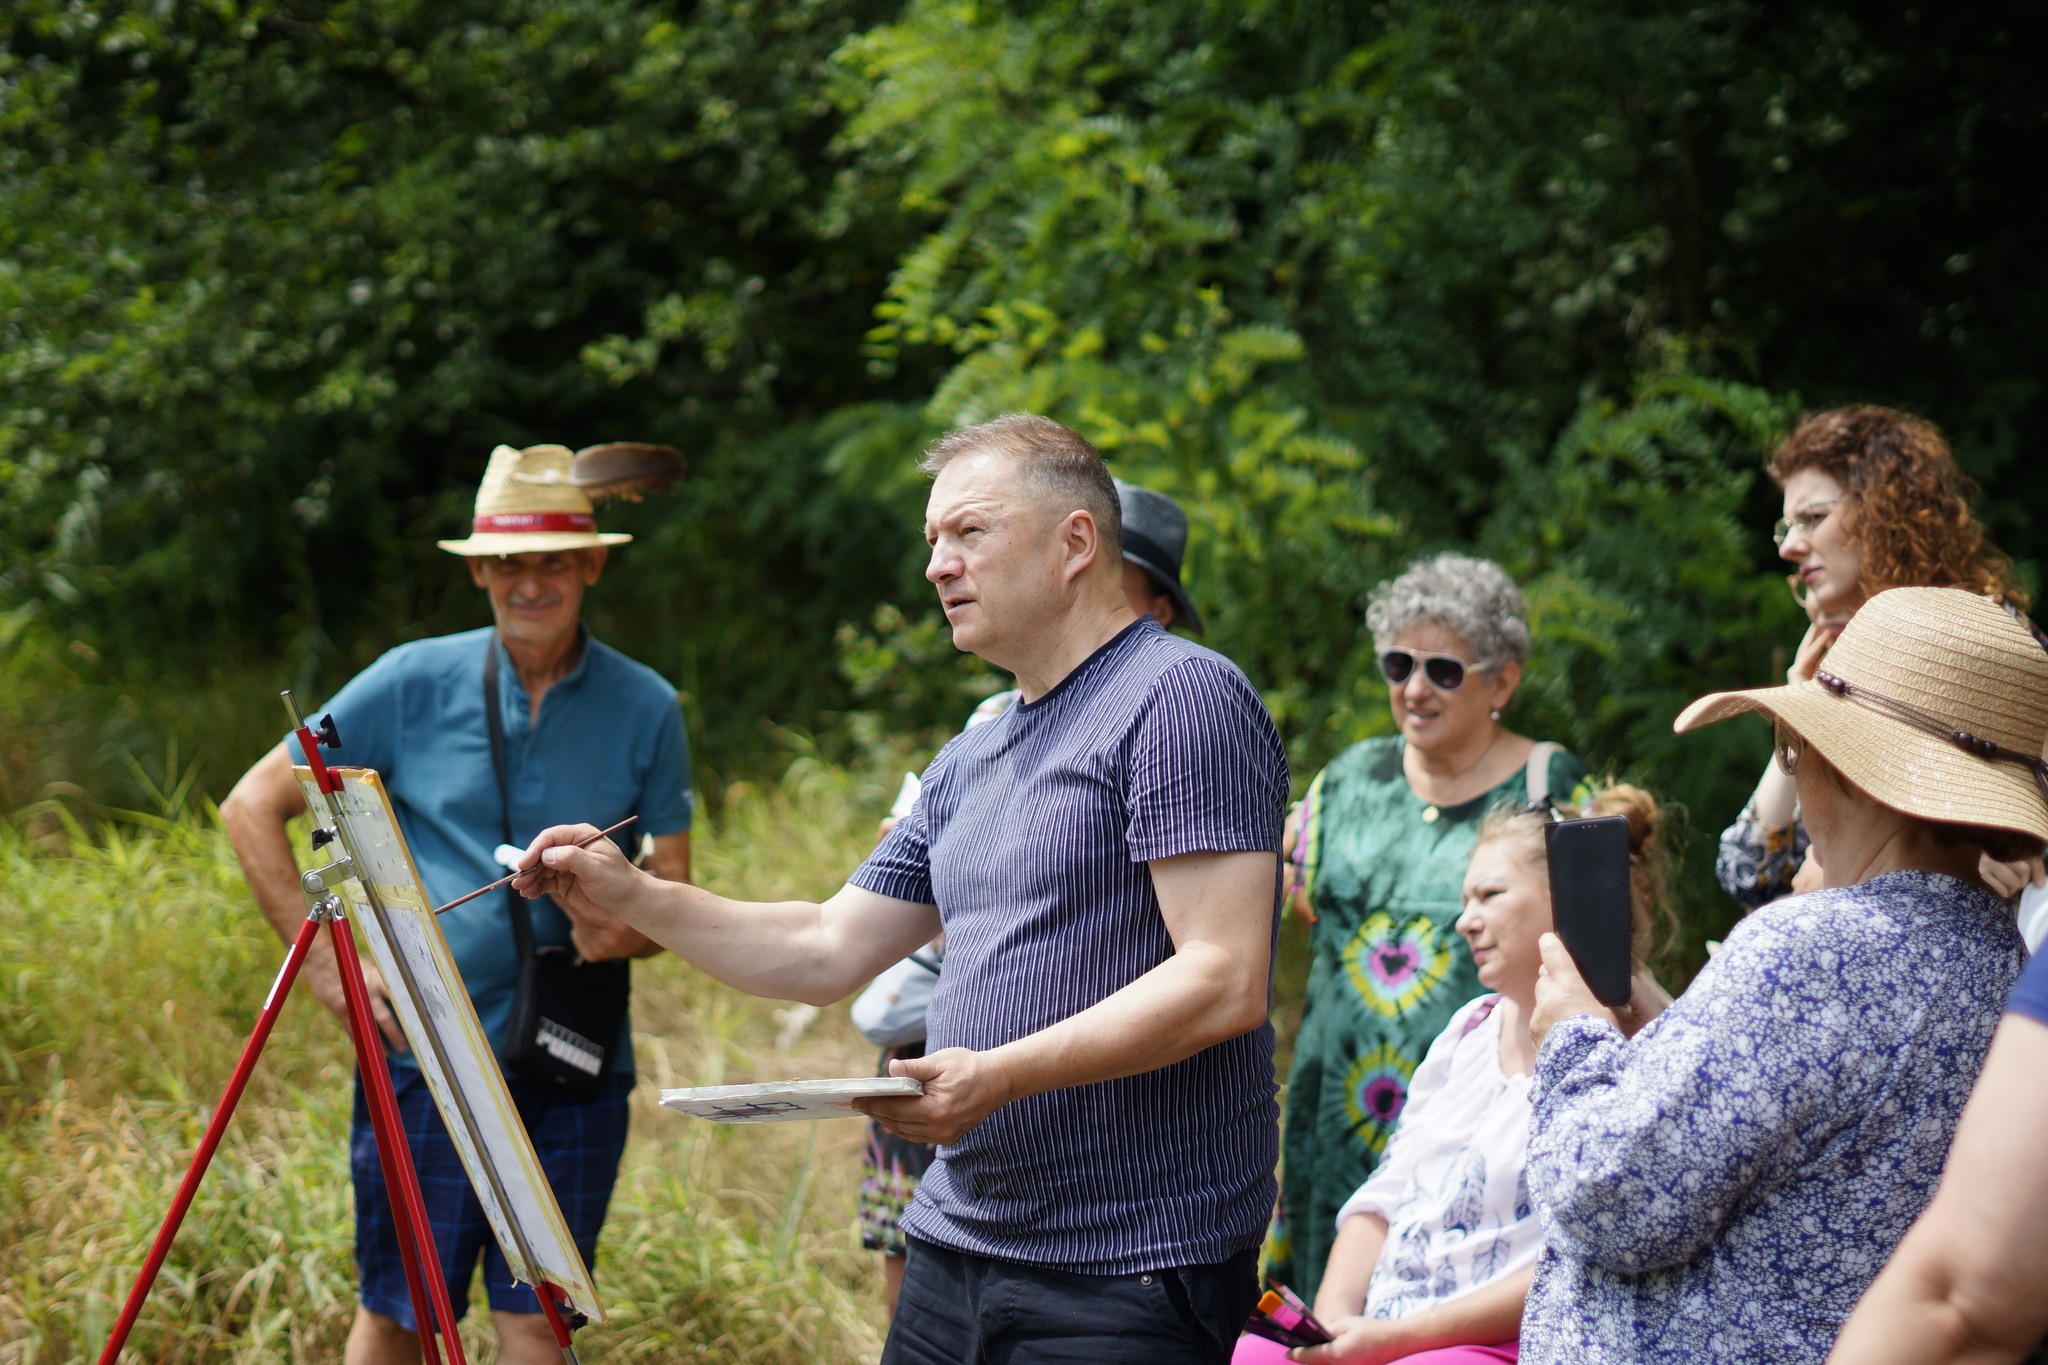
[{"x": 1384, "y": 873}]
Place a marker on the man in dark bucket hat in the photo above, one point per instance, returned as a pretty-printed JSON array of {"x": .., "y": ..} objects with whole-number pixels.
[{"x": 1155, "y": 537}]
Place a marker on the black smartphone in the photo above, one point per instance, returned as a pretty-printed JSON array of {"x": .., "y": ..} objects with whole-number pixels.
[{"x": 1589, "y": 900}]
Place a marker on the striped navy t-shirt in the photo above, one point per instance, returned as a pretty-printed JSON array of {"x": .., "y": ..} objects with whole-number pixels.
[{"x": 1031, "y": 835}]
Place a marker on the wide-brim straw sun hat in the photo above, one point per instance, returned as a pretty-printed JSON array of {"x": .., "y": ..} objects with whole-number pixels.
[
  {"x": 1933, "y": 701},
  {"x": 527, "y": 505}
]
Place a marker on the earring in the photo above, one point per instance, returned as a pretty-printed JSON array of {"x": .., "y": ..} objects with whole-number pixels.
[{"x": 1496, "y": 715}]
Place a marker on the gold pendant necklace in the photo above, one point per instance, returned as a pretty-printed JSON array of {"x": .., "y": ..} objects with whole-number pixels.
[{"x": 1430, "y": 811}]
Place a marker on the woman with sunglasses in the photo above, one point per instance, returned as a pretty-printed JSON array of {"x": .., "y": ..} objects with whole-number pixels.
[
  {"x": 1376, "y": 854},
  {"x": 1724, "y": 1183},
  {"x": 1874, "y": 499}
]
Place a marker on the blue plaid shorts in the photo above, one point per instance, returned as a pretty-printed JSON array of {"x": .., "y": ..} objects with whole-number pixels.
[{"x": 578, "y": 1142}]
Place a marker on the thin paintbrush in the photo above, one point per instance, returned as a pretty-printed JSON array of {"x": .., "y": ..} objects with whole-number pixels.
[{"x": 580, "y": 843}]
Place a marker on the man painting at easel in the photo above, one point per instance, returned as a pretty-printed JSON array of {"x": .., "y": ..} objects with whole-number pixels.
[
  {"x": 1103, "y": 860},
  {"x": 581, "y": 732}
]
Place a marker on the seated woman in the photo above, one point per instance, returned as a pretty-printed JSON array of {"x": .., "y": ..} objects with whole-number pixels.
[
  {"x": 1725, "y": 1184},
  {"x": 1434, "y": 1252},
  {"x": 1376, "y": 852}
]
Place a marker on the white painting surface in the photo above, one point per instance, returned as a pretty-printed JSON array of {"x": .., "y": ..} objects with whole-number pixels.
[
  {"x": 787, "y": 1101},
  {"x": 454, "y": 1055}
]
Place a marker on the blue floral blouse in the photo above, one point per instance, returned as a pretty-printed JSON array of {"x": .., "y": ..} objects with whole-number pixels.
[
  {"x": 1756, "y": 864},
  {"x": 1724, "y": 1186}
]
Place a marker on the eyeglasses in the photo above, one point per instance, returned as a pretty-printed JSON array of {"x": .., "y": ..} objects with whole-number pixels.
[
  {"x": 1446, "y": 672},
  {"x": 1788, "y": 746},
  {"x": 1803, "y": 525}
]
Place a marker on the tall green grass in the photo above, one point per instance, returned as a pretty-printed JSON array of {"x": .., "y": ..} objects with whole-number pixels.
[{"x": 131, "y": 967}]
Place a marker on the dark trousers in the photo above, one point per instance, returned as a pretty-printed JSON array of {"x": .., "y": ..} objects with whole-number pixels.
[
  {"x": 578, "y": 1142},
  {"x": 962, "y": 1309}
]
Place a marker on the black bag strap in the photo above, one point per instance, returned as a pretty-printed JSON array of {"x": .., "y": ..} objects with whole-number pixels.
[{"x": 520, "y": 915}]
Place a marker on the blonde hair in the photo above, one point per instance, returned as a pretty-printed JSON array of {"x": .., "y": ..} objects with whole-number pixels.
[{"x": 1649, "y": 854}]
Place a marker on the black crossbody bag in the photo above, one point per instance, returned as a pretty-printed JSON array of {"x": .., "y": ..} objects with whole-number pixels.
[{"x": 567, "y": 1014}]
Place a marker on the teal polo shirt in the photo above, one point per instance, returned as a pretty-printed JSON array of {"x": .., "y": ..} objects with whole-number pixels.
[{"x": 608, "y": 743}]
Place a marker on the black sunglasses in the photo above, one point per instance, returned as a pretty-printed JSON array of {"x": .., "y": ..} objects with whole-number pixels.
[{"x": 1446, "y": 672}]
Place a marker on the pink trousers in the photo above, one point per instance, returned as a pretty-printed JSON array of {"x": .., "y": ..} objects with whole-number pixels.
[{"x": 1259, "y": 1351}]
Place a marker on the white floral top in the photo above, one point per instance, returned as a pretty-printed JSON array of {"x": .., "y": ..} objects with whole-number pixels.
[
  {"x": 1451, "y": 1186},
  {"x": 1725, "y": 1186}
]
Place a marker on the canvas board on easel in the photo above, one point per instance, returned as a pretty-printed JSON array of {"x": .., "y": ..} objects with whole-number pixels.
[{"x": 448, "y": 1041}]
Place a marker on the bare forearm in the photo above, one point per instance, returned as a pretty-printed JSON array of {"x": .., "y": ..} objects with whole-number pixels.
[
  {"x": 273, "y": 873},
  {"x": 790, "y": 950},
  {"x": 1774, "y": 798},
  {"x": 760, "y": 948},
  {"x": 1347, "y": 1277},
  {"x": 1964, "y": 1286},
  {"x": 669, "y": 860},
  {"x": 1487, "y": 1316},
  {"x": 1913, "y": 1317},
  {"x": 786, "y": 950},
  {"x": 1195, "y": 999},
  {"x": 256, "y": 815}
]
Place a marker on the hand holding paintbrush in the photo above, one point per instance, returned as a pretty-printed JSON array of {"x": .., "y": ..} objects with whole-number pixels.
[
  {"x": 599, "y": 896},
  {"x": 508, "y": 879}
]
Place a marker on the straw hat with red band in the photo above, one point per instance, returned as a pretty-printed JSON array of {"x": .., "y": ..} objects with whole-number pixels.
[
  {"x": 527, "y": 505},
  {"x": 1934, "y": 701}
]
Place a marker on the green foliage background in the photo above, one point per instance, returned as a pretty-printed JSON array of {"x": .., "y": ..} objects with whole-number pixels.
[{"x": 1354, "y": 282}]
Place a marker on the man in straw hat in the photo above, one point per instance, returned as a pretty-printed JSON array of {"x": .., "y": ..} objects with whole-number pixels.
[
  {"x": 584, "y": 733},
  {"x": 1103, "y": 859},
  {"x": 1726, "y": 1183}
]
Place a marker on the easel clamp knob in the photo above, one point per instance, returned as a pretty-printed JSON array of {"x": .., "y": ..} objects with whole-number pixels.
[{"x": 328, "y": 876}]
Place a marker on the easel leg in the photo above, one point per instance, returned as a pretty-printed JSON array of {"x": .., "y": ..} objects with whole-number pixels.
[
  {"x": 547, "y": 1293},
  {"x": 225, "y": 1110},
  {"x": 423, "y": 1276}
]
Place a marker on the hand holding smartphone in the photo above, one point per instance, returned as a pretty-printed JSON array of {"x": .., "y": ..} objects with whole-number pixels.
[{"x": 1589, "y": 901}]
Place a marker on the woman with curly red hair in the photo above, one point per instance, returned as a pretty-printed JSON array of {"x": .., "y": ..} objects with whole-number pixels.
[{"x": 1874, "y": 499}]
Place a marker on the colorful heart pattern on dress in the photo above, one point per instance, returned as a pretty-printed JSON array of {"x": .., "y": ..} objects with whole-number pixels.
[
  {"x": 1375, "y": 1091},
  {"x": 1392, "y": 966}
]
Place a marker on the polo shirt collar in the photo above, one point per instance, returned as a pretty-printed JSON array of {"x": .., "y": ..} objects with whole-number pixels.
[{"x": 510, "y": 673}]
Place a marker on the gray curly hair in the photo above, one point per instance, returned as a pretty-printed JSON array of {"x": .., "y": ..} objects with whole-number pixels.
[{"x": 1473, "y": 598}]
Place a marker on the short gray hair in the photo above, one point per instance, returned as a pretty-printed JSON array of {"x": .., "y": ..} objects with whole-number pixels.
[
  {"x": 1472, "y": 598},
  {"x": 1058, "y": 464}
]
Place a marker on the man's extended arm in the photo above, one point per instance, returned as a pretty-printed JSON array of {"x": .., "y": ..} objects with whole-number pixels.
[
  {"x": 668, "y": 858},
  {"x": 256, "y": 813},
  {"x": 789, "y": 950},
  {"x": 1218, "y": 909}
]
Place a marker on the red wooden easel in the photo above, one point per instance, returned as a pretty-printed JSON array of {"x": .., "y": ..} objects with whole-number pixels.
[{"x": 424, "y": 1280}]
